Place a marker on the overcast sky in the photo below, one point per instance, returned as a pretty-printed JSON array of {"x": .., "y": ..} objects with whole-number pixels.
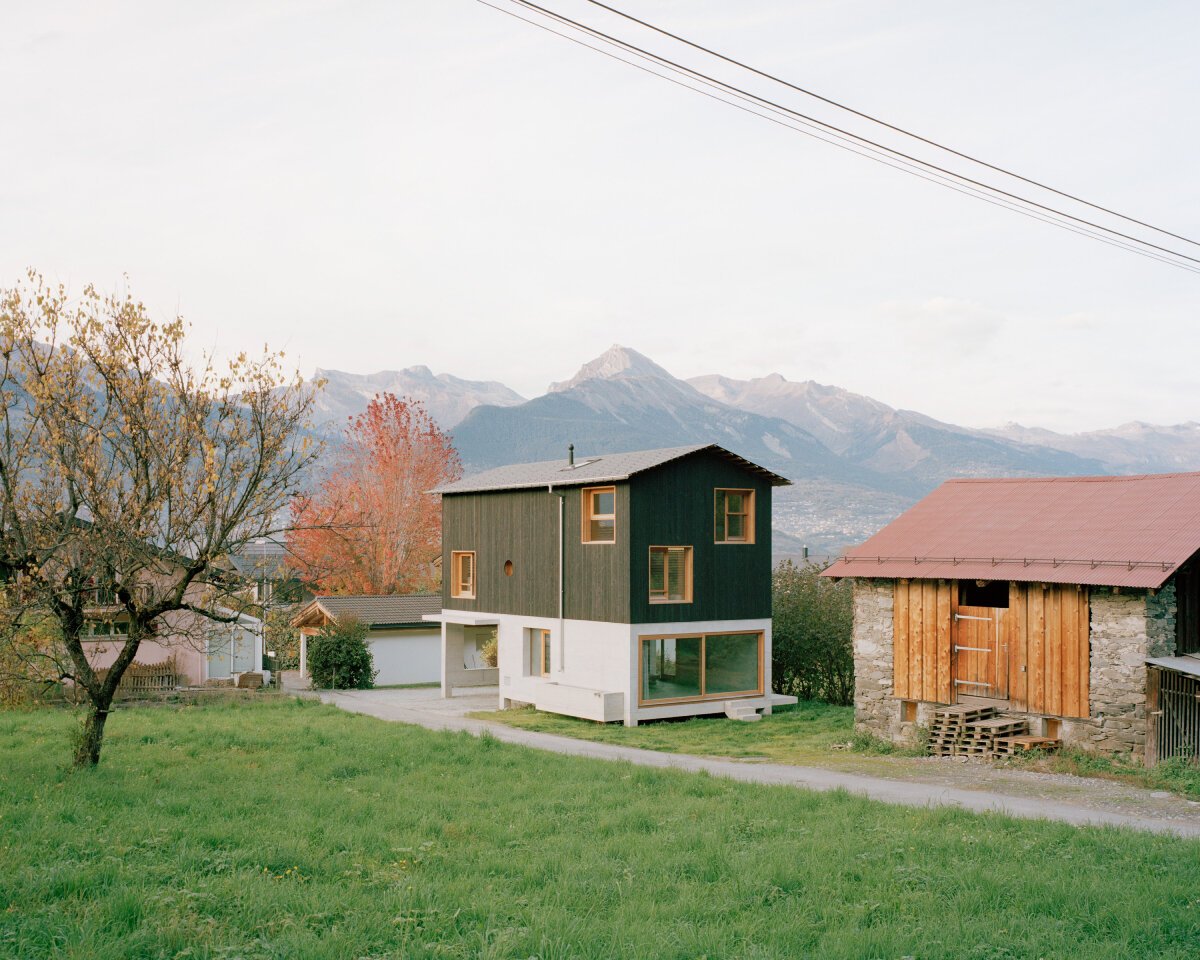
[{"x": 380, "y": 184}]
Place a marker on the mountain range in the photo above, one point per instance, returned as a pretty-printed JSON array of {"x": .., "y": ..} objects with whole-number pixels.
[{"x": 855, "y": 462}]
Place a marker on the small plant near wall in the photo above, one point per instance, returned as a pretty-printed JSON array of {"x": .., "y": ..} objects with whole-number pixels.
[
  {"x": 339, "y": 657},
  {"x": 489, "y": 653}
]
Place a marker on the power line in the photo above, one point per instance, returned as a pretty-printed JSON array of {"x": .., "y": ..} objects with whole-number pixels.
[
  {"x": 658, "y": 58},
  {"x": 854, "y": 142},
  {"x": 857, "y": 149},
  {"x": 884, "y": 123}
]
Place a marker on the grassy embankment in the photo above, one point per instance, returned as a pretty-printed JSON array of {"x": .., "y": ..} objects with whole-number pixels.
[
  {"x": 289, "y": 829},
  {"x": 816, "y": 734}
]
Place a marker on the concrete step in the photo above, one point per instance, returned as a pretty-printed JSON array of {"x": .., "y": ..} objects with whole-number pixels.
[{"x": 744, "y": 710}]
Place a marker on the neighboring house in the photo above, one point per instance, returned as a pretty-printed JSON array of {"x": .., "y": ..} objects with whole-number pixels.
[
  {"x": 203, "y": 649},
  {"x": 1074, "y": 601},
  {"x": 632, "y": 586},
  {"x": 406, "y": 648},
  {"x": 262, "y": 566}
]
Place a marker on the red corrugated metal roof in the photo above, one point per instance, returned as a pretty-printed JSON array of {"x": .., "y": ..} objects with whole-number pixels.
[{"x": 1112, "y": 531}]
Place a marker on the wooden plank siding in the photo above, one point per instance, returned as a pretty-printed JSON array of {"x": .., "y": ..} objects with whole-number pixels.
[
  {"x": 672, "y": 505},
  {"x": 522, "y": 526},
  {"x": 921, "y": 616},
  {"x": 1045, "y": 633}
]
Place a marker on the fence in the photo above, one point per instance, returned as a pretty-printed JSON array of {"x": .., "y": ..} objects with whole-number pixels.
[
  {"x": 146, "y": 678},
  {"x": 1173, "y": 702}
]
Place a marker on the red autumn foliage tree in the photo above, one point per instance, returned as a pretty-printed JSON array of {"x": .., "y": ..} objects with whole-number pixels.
[{"x": 373, "y": 527}]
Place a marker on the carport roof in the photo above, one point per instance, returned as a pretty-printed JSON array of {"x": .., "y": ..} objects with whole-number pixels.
[
  {"x": 1110, "y": 531},
  {"x": 377, "y": 613}
]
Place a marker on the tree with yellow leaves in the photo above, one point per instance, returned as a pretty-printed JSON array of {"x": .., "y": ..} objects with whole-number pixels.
[{"x": 127, "y": 473}]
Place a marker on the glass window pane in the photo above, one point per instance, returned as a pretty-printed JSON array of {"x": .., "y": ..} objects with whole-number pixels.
[
  {"x": 736, "y": 502},
  {"x": 545, "y": 653},
  {"x": 676, "y": 570},
  {"x": 737, "y": 527},
  {"x": 731, "y": 663},
  {"x": 604, "y": 503},
  {"x": 658, "y": 572},
  {"x": 719, "y": 517},
  {"x": 671, "y": 668},
  {"x": 602, "y": 530}
]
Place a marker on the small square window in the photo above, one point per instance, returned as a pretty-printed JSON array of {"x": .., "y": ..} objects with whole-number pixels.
[
  {"x": 733, "y": 516},
  {"x": 539, "y": 653},
  {"x": 462, "y": 574},
  {"x": 670, "y": 574},
  {"x": 600, "y": 515}
]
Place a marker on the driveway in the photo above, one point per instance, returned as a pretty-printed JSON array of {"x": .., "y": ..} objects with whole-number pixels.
[{"x": 1075, "y": 800}]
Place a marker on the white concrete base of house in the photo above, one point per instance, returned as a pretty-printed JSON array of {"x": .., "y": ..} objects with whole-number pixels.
[{"x": 594, "y": 666}]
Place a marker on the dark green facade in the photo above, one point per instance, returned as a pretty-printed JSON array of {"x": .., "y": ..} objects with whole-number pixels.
[{"x": 669, "y": 505}]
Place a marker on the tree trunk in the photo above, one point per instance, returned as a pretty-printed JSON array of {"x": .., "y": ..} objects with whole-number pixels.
[{"x": 91, "y": 736}]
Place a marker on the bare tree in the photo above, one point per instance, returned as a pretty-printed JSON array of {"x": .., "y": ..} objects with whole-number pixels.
[{"x": 127, "y": 473}]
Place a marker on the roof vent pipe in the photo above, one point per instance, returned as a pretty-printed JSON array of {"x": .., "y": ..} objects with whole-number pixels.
[{"x": 570, "y": 454}]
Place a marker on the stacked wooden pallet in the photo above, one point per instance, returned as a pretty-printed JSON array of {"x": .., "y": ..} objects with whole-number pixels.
[
  {"x": 1012, "y": 746},
  {"x": 979, "y": 736},
  {"x": 949, "y": 726}
]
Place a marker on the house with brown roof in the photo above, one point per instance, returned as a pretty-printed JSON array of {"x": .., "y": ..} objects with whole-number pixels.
[
  {"x": 405, "y": 647},
  {"x": 1071, "y": 601}
]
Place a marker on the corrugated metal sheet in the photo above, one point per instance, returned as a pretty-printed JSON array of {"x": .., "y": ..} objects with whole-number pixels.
[
  {"x": 607, "y": 468},
  {"x": 1101, "y": 531}
]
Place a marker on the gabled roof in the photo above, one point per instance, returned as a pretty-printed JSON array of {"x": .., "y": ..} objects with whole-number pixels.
[
  {"x": 1111, "y": 531},
  {"x": 375, "y": 612},
  {"x": 606, "y": 468}
]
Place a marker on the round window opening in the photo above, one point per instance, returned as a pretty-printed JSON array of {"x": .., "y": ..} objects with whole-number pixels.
[{"x": 508, "y": 568}]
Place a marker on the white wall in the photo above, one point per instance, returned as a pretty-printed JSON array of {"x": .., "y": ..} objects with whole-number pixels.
[
  {"x": 407, "y": 656},
  {"x": 603, "y": 657}
]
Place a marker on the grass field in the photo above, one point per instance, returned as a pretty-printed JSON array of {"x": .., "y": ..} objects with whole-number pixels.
[
  {"x": 811, "y": 733},
  {"x": 288, "y": 829}
]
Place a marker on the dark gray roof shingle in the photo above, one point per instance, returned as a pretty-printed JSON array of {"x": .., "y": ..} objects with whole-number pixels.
[
  {"x": 606, "y": 468},
  {"x": 381, "y": 611}
]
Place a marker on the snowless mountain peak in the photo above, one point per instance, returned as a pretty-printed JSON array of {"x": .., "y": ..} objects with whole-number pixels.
[{"x": 615, "y": 363}]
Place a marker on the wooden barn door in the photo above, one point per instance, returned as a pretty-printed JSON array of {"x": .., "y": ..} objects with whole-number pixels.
[{"x": 979, "y": 652}]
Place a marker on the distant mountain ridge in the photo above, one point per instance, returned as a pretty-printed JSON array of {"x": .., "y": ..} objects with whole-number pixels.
[{"x": 855, "y": 462}]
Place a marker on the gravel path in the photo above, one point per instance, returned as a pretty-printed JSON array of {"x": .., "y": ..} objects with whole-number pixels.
[{"x": 918, "y": 783}]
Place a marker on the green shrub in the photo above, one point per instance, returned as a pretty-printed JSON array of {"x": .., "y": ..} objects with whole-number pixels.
[
  {"x": 812, "y": 651},
  {"x": 339, "y": 657}
]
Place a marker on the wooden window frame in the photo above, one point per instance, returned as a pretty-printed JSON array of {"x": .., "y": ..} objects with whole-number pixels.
[
  {"x": 586, "y": 515},
  {"x": 539, "y": 652},
  {"x": 459, "y": 590},
  {"x": 703, "y": 638},
  {"x": 687, "y": 574},
  {"x": 748, "y": 513}
]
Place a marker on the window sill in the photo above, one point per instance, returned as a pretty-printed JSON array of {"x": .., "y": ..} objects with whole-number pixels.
[{"x": 654, "y": 601}]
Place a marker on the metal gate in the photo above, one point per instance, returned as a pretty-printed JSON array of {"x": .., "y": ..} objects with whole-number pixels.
[
  {"x": 1175, "y": 717},
  {"x": 980, "y": 653}
]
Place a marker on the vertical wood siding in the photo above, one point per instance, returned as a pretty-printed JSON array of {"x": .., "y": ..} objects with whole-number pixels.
[
  {"x": 673, "y": 506},
  {"x": 1052, "y": 621},
  {"x": 522, "y": 526},
  {"x": 1045, "y": 633},
  {"x": 921, "y": 620}
]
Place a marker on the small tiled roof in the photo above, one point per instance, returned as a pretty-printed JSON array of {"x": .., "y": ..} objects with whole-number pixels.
[
  {"x": 606, "y": 468},
  {"x": 373, "y": 611},
  {"x": 1108, "y": 531}
]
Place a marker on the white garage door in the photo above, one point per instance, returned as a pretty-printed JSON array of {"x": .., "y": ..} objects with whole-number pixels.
[{"x": 407, "y": 656}]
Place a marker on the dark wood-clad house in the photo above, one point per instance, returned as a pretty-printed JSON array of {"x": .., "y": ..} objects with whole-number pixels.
[
  {"x": 1071, "y": 601},
  {"x": 625, "y": 587}
]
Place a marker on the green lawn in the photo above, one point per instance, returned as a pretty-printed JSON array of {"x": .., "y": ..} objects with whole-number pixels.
[
  {"x": 806, "y": 733},
  {"x": 817, "y": 734},
  {"x": 288, "y": 829}
]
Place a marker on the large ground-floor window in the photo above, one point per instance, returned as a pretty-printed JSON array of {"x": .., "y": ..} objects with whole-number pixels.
[{"x": 699, "y": 667}]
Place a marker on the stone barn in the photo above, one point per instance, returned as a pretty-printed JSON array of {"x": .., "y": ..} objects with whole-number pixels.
[{"x": 1073, "y": 602}]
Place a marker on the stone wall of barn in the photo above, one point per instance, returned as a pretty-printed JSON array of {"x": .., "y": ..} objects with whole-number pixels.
[{"x": 1126, "y": 628}]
